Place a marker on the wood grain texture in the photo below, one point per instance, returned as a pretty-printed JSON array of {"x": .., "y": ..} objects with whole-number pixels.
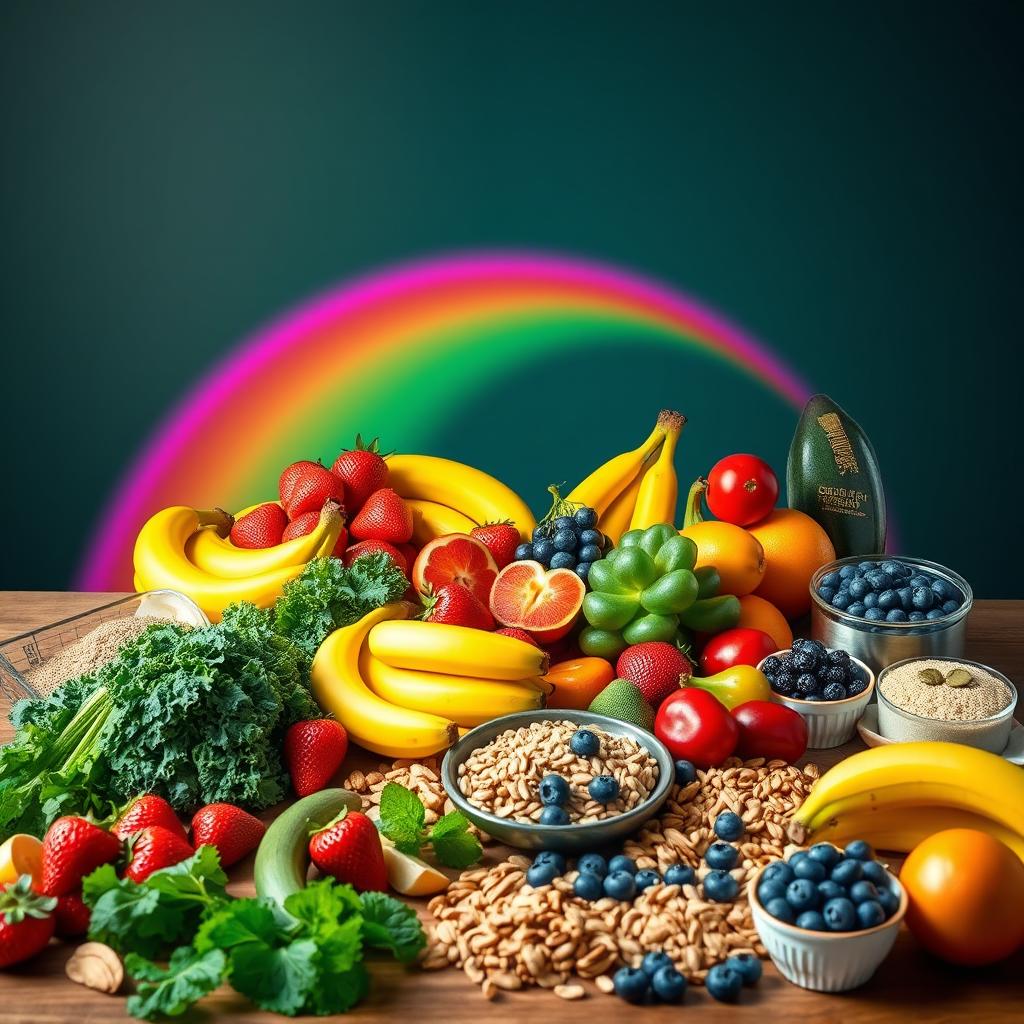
[{"x": 910, "y": 985}]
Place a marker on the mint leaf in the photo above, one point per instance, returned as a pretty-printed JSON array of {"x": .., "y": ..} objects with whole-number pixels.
[
  {"x": 457, "y": 849},
  {"x": 279, "y": 979},
  {"x": 390, "y": 924},
  {"x": 171, "y": 990},
  {"x": 401, "y": 817},
  {"x": 453, "y": 821}
]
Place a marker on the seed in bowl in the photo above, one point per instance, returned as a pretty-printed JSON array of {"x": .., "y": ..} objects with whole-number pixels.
[
  {"x": 938, "y": 689},
  {"x": 505, "y": 777},
  {"x": 811, "y": 671}
]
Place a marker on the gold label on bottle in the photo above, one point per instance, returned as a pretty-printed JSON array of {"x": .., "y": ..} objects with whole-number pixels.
[
  {"x": 845, "y": 501},
  {"x": 846, "y": 461}
]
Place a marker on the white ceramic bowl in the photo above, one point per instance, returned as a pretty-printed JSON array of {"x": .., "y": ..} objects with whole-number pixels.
[
  {"x": 826, "y": 961},
  {"x": 829, "y": 723}
]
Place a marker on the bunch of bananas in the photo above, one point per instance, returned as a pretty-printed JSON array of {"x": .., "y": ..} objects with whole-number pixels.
[
  {"x": 638, "y": 488},
  {"x": 404, "y": 688},
  {"x": 896, "y": 795},
  {"x": 188, "y": 550}
]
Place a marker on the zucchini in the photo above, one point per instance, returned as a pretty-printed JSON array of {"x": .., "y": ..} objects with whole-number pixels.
[
  {"x": 832, "y": 475},
  {"x": 282, "y": 859}
]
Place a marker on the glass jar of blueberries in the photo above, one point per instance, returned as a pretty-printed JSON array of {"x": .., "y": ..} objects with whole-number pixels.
[{"x": 885, "y": 609}]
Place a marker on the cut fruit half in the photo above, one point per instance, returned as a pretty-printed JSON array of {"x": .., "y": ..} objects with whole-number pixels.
[
  {"x": 409, "y": 875},
  {"x": 456, "y": 558},
  {"x": 22, "y": 854},
  {"x": 544, "y": 602}
]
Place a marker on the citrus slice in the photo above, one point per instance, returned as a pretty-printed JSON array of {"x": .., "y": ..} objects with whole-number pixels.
[
  {"x": 409, "y": 875},
  {"x": 544, "y": 602},
  {"x": 456, "y": 558},
  {"x": 21, "y": 855}
]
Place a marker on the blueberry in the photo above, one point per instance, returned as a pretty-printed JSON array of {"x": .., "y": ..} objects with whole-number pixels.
[
  {"x": 888, "y": 599},
  {"x": 805, "y": 660},
  {"x": 859, "y": 849},
  {"x": 585, "y": 518},
  {"x": 834, "y": 691},
  {"x": 551, "y": 857},
  {"x": 846, "y": 872},
  {"x": 870, "y": 601},
  {"x": 870, "y": 913},
  {"x": 808, "y": 684},
  {"x": 553, "y": 790},
  {"x": 796, "y": 858},
  {"x": 668, "y": 985},
  {"x": 588, "y": 886},
  {"x": 584, "y": 743},
  {"x": 825, "y": 853},
  {"x": 896, "y": 615},
  {"x": 781, "y": 910},
  {"x": 816, "y": 647},
  {"x": 935, "y": 613},
  {"x": 565, "y": 540},
  {"x": 592, "y": 537},
  {"x": 811, "y": 920},
  {"x": 542, "y": 874},
  {"x": 653, "y": 962},
  {"x": 857, "y": 684},
  {"x": 720, "y": 887},
  {"x": 620, "y": 885},
  {"x": 875, "y": 872},
  {"x": 564, "y": 523},
  {"x": 889, "y": 901},
  {"x": 924, "y": 598},
  {"x": 827, "y": 593},
  {"x": 721, "y": 856},
  {"x": 553, "y": 815},
  {"x": 897, "y": 570},
  {"x": 749, "y": 967},
  {"x": 840, "y": 915},
  {"x": 582, "y": 569},
  {"x": 812, "y": 870},
  {"x": 729, "y": 826},
  {"x": 906, "y": 596},
  {"x": 589, "y": 553},
  {"x": 830, "y": 579},
  {"x": 686, "y": 772},
  {"x": 917, "y": 616},
  {"x": 562, "y": 560},
  {"x": 769, "y": 889},
  {"x": 646, "y": 878},
  {"x": 830, "y": 890},
  {"x": 784, "y": 682},
  {"x": 858, "y": 608},
  {"x": 543, "y": 551},
  {"x": 678, "y": 874},
  {"x": 920, "y": 580},
  {"x": 842, "y": 600},
  {"x": 524, "y": 553},
  {"x": 802, "y": 894},
  {"x": 771, "y": 666},
  {"x": 724, "y": 983},
  {"x": 862, "y": 891},
  {"x": 786, "y": 659},
  {"x": 622, "y": 863},
  {"x": 592, "y": 864},
  {"x": 778, "y": 871},
  {"x": 540, "y": 532},
  {"x": 949, "y": 607},
  {"x": 603, "y": 788},
  {"x": 631, "y": 984},
  {"x": 848, "y": 572},
  {"x": 878, "y": 580},
  {"x": 859, "y": 588},
  {"x": 834, "y": 674}
]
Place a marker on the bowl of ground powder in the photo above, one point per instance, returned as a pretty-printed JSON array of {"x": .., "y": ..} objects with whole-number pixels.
[{"x": 949, "y": 699}]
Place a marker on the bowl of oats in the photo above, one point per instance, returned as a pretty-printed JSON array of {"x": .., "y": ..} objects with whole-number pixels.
[
  {"x": 558, "y": 779},
  {"x": 950, "y": 699}
]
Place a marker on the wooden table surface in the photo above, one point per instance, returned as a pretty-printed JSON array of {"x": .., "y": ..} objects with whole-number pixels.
[{"x": 909, "y": 985}]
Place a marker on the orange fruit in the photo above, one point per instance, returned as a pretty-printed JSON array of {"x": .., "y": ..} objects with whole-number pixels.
[
  {"x": 456, "y": 558},
  {"x": 795, "y": 547},
  {"x": 733, "y": 551},
  {"x": 21, "y": 855},
  {"x": 757, "y": 613},
  {"x": 578, "y": 682},
  {"x": 966, "y": 896},
  {"x": 544, "y": 602}
]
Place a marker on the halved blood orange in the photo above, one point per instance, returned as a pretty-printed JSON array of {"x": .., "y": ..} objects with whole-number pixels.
[
  {"x": 544, "y": 602},
  {"x": 456, "y": 558}
]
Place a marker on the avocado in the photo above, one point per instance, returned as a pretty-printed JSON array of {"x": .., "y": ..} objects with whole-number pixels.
[
  {"x": 832, "y": 475},
  {"x": 622, "y": 700}
]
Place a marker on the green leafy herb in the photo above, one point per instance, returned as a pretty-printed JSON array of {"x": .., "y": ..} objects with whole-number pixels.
[
  {"x": 171, "y": 990},
  {"x": 390, "y": 924},
  {"x": 401, "y": 820}
]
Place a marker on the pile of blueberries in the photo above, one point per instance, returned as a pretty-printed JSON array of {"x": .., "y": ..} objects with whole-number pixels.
[
  {"x": 567, "y": 542},
  {"x": 825, "y": 889},
  {"x": 554, "y": 791},
  {"x": 811, "y": 671},
  {"x": 657, "y": 978},
  {"x": 889, "y": 591}
]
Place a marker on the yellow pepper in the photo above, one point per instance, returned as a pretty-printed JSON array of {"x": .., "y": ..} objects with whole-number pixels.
[{"x": 736, "y": 685}]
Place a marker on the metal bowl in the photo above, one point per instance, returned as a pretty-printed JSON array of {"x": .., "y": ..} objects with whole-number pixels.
[
  {"x": 880, "y": 644},
  {"x": 572, "y": 838}
]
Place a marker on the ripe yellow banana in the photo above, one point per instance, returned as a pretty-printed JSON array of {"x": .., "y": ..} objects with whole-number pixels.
[
  {"x": 905, "y": 774},
  {"x": 474, "y": 493},
  {"x": 456, "y": 651},
  {"x": 431, "y": 520},
  {"x": 373, "y": 723},
  {"x": 609, "y": 480},
  {"x": 467, "y": 702},
  {"x": 214, "y": 554},
  {"x": 161, "y": 562},
  {"x": 615, "y": 519},
  {"x": 659, "y": 489}
]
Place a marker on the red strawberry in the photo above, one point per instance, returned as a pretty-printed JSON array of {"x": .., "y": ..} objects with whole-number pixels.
[
  {"x": 144, "y": 811},
  {"x": 305, "y": 524},
  {"x": 518, "y": 634},
  {"x": 656, "y": 669},
  {"x": 305, "y": 486},
  {"x": 235, "y": 833},
  {"x": 261, "y": 528},
  {"x": 154, "y": 848},
  {"x": 367, "y": 547},
  {"x": 384, "y": 516},
  {"x": 27, "y": 921},
  {"x": 454, "y": 605},
  {"x": 313, "y": 751},
  {"x": 72, "y": 915},
  {"x": 363, "y": 471},
  {"x": 501, "y": 539},
  {"x": 349, "y": 849},
  {"x": 72, "y": 847}
]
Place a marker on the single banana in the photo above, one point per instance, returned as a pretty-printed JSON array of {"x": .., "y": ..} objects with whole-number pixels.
[
  {"x": 474, "y": 493},
  {"x": 456, "y": 651},
  {"x": 161, "y": 562},
  {"x": 609, "y": 480},
  {"x": 431, "y": 520},
  {"x": 214, "y": 554},
  {"x": 659, "y": 489},
  {"x": 615, "y": 519},
  {"x": 467, "y": 702},
  {"x": 946, "y": 774},
  {"x": 373, "y": 723}
]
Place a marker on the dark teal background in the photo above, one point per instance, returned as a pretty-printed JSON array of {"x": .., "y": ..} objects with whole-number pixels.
[{"x": 845, "y": 182}]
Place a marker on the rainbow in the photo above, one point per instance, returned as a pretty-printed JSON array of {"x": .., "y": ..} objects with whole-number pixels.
[{"x": 356, "y": 357}]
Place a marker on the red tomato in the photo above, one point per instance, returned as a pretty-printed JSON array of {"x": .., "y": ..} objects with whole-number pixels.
[
  {"x": 770, "y": 730},
  {"x": 735, "y": 647},
  {"x": 695, "y": 725},
  {"x": 742, "y": 489}
]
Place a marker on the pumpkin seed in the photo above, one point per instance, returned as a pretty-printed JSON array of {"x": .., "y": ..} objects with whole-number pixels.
[
  {"x": 930, "y": 676},
  {"x": 959, "y": 677}
]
